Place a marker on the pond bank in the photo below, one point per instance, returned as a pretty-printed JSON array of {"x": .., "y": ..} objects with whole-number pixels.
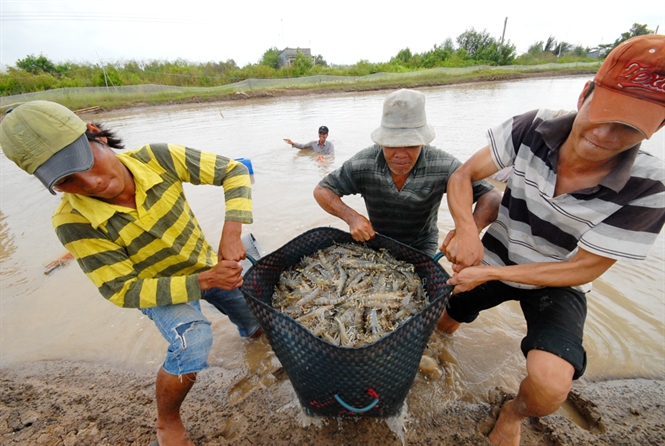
[{"x": 74, "y": 403}]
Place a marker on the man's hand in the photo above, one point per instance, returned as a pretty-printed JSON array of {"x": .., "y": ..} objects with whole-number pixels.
[
  {"x": 361, "y": 229},
  {"x": 225, "y": 275},
  {"x": 288, "y": 141},
  {"x": 468, "y": 279},
  {"x": 463, "y": 250}
]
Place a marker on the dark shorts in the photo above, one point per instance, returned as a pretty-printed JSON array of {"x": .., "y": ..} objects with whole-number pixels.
[{"x": 554, "y": 317}]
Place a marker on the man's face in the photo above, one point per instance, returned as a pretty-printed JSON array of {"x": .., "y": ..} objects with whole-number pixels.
[
  {"x": 322, "y": 138},
  {"x": 105, "y": 180},
  {"x": 599, "y": 142},
  {"x": 401, "y": 159}
]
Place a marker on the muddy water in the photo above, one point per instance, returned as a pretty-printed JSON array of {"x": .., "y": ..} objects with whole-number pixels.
[{"x": 61, "y": 316}]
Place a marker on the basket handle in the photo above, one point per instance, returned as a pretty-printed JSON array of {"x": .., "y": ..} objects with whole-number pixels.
[
  {"x": 438, "y": 256},
  {"x": 251, "y": 259},
  {"x": 355, "y": 409}
]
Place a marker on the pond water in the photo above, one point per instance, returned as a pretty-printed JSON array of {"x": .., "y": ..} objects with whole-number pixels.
[{"x": 62, "y": 316}]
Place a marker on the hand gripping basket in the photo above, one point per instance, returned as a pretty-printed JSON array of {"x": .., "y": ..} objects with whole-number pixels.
[{"x": 372, "y": 380}]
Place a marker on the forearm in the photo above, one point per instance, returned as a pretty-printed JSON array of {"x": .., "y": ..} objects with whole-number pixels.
[
  {"x": 333, "y": 204},
  {"x": 230, "y": 245},
  {"x": 583, "y": 268},
  {"x": 552, "y": 274},
  {"x": 460, "y": 205}
]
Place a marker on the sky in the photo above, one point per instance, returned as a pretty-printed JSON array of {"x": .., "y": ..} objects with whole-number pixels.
[{"x": 343, "y": 32}]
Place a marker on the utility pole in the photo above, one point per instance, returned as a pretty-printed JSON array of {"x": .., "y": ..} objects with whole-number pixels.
[{"x": 505, "y": 22}]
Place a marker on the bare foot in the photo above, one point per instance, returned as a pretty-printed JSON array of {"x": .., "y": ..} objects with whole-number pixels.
[
  {"x": 507, "y": 429},
  {"x": 173, "y": 434}
]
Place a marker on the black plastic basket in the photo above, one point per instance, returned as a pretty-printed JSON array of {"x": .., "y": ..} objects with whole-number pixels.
[{"x": 329, "y": 380}]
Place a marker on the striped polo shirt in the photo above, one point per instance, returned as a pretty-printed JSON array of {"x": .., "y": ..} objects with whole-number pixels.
[
  {"x": 619, "y": 219},
  {"x": 408, "y": 215},
  {"x": 150, "y": 256}
]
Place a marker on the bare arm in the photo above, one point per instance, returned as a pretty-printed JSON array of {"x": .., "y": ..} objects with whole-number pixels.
[
  {"x": 484, "y": 213},
  {"x": 582, "y": 268},
  {"x": 360, "y": 227},
  {"x": 227, "y": 273},
  {"x": 230, "y": 245},
  {"x": 487, "y": 209},
  {"x": 288, "y": 141},
  {"x": 465, "y": 248}
]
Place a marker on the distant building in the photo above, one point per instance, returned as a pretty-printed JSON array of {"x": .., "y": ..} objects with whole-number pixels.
[
  {"x": 288, "y": 56},
  {"x": 594, "y": 53}
]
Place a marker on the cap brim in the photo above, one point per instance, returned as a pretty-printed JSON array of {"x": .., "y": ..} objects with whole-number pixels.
[
  {"x": 387, "y": 137},
  {"x": 76, "y": 157},
  {"x": 611, "y": 106}
]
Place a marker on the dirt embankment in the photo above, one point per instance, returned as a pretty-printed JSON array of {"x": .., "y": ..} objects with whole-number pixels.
[{"x": 63, "y": 403}]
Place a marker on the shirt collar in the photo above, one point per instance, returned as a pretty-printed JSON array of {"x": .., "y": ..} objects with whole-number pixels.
[
  {"x": 555, "y": 131},
  {"x": 97, "y": 212}
]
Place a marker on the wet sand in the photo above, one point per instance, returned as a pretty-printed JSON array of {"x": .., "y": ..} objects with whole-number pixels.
[{"x": 65, "y": 403}]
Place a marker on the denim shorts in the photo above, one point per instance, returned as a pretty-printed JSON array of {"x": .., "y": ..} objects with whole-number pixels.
[
  {"x": 188, "y": 331},
  {"x": 554, "y": 317}
]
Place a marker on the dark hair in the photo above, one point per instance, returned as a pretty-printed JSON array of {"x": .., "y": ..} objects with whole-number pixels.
[
  {"x": 113, "y": 141},
  {"x": 592, "y": 86}
]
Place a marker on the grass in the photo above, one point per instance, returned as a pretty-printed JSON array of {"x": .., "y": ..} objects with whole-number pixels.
[{"x": 142, "y": 95}]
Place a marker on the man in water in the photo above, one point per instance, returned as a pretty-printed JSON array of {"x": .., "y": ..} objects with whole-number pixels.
[
  {"x": 125, "y": 219},
  {"x": 402, "y": 180},
  {"x": 322, "y": 145},
  {"x": 581, "y": 196}
]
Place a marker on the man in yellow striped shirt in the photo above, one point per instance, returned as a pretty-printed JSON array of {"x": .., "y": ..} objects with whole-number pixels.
[{"x": 125, "y": 219}]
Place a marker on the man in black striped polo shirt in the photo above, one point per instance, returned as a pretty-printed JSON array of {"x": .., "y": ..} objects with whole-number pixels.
[
  {"x": 402, "y": 180},
  {"x": 580, "y": 197}
]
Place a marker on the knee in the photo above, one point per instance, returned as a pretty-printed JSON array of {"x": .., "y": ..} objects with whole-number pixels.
[{"x": 550, "y": 375}]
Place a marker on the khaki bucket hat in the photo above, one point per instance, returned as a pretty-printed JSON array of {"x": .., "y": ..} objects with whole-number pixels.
[{"x": 404, "y": 122}]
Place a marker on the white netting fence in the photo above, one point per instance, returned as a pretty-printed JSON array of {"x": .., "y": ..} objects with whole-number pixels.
[{"x": 148, "y": 90}]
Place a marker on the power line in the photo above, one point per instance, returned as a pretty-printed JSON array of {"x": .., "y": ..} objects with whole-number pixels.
[{"x": 105, "y": 17}]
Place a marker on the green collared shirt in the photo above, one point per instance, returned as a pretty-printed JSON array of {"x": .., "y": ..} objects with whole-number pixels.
[{"x": 408, "y": 215}]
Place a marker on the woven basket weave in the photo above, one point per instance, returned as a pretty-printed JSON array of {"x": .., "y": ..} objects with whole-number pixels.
[{"x": 372, "y": 380}]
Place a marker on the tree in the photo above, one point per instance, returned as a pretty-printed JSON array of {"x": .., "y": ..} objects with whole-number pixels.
[
  {"x": 302, "y": 64},
  {"x": 270, "y": 58},
  {"x": 635, "y": 30},
  {"x": 448, "y": 45},
  {"x": 403, "y": 57},
  {"x": 536, "y": 48},
  {"x": 318, "y": 60},
  {"x": 475, "y": 42},
  {"x": 550, "y": 45},
  {"x": 36, "y": 65}
]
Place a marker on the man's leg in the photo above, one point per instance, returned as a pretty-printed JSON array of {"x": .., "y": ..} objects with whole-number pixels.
[
  {"x": 546, "y": 386},
  {"x": 171, "y": 392},
  {"x": 190, "y": 338},
  {"x": 233, "y": 304},
  {"x": 465, "y": 307},
  {"x": 447, "y": 324}
]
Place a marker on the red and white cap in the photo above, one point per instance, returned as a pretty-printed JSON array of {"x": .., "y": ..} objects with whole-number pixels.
[{"x": 630, "y": 85}]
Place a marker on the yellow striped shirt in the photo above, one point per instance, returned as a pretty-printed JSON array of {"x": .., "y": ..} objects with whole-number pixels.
[{"x": 150, "y": 256}]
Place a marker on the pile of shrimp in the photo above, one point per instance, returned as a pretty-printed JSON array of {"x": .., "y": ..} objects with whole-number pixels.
[{"x": 350, "y": 295}]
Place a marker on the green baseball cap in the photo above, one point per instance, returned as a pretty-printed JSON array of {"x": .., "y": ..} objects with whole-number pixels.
[{"x": 46, "y": 140}]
